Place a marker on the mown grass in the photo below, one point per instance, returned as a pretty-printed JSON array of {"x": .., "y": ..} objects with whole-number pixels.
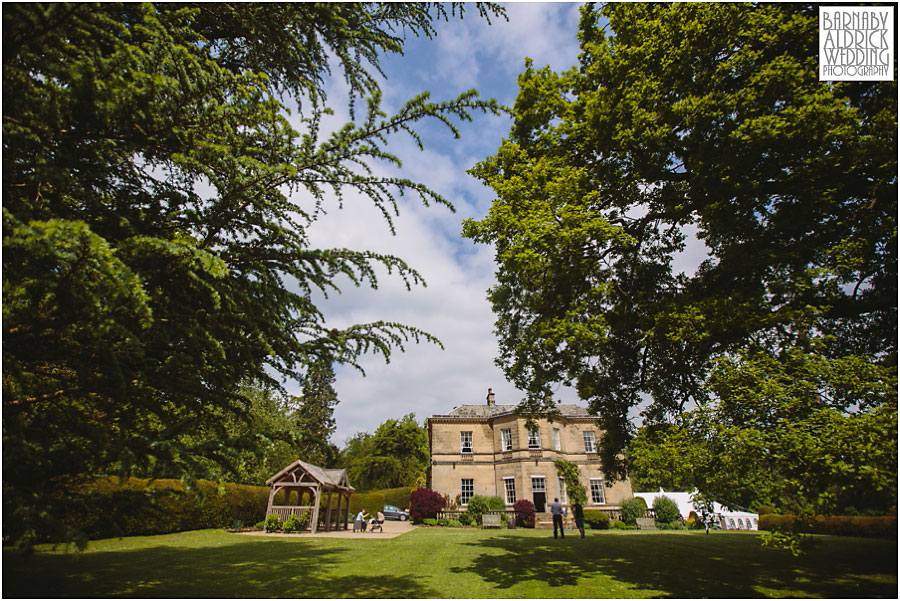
[{"x": 457, "y": 563}]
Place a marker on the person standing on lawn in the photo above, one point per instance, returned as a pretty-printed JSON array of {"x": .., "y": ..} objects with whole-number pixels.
[
  {"x": 557, "y": 511},
  {"x": 578, "y": 514}
]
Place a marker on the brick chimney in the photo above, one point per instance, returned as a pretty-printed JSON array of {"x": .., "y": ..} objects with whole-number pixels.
[{"x": 490, "y": 398}]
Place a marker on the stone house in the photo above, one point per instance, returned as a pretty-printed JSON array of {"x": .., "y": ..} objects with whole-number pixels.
[{"x": 487, "y": 450}]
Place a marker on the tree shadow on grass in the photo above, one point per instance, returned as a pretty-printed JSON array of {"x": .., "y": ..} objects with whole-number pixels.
[
  {"x": 688, "y": 565},
  {"x": 253, "y": 569}
]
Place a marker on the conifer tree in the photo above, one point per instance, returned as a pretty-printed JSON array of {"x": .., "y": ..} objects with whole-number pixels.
[
  {"x": 156, "y": 201},
  {"x": 314, "y": 415}
]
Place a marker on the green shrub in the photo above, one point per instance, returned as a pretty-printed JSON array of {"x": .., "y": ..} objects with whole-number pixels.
[
  {"x": 443, "y": 522},
  {"x": 871, "y": 527},
  {"x": 632, "y": 509},
  {"x": 430, "y": 521},
  {"x": 454, "y": 523},
  {"x": 677, "y": 525},
  {"x": 260, "y": 524},
  {"x": 620, "y": 525},
  {"x": 666, "y": 510},
  {"x": 295, "y": 523},
  {"x": 273, "y": 522},
  {"x": 597, "y": 520},
  {"x": 476, "y": 507},
  {"x": 465, "y": 519}
]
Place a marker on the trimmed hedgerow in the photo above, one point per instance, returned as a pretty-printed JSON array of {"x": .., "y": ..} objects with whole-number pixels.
[
  {"x": 398, "y": 497},
  {"x": 139, "y": 506},
  {"x": 372, "y": 502},
  {"x": 871, "y": 527}
]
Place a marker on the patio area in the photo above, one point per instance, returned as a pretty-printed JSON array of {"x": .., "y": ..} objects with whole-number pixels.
[{"x": 391, "y": 529}]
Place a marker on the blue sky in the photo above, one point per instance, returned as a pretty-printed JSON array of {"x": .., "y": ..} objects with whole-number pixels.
[{"x": 426, "y": 380}]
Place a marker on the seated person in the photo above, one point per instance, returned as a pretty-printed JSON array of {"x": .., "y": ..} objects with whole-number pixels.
[
  {"x": 379, "y": 520},
  {"x": 361, "y": 519}
]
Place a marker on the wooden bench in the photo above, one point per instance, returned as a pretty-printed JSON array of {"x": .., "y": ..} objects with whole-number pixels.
[
  {"x": 646, "y": 524},
  {"x": 490, "y": 520}
]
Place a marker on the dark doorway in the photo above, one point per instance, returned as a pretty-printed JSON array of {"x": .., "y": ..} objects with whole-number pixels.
[{"x": 539, "y": 493}]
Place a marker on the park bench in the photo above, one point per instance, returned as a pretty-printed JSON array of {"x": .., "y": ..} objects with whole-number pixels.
[
  {"x": 490, "y": 520},
  {"x": 646, "y": 524}
]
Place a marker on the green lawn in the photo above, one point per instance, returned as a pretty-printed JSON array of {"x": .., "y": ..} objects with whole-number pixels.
[{"x": 441, "y": 562}]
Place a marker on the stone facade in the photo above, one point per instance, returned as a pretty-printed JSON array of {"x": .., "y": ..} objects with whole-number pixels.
[{"x": 487, "y": 450}]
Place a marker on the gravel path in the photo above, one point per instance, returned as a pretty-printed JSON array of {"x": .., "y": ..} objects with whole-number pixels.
[{"x": 391, "y": 529}]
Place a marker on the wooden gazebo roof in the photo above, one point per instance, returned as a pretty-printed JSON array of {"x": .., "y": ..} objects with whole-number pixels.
[
  {"x": 302, "y": 476},
  {"x": 300, "y": 471}
]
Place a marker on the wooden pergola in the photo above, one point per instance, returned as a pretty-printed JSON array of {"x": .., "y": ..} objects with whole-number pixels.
[{"x": 313, "y": 481}]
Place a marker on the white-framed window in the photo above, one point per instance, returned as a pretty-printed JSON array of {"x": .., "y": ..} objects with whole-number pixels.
[
  {"x": 465, "y": 442},
  {"x": 597, "y": 495},
  {"x": 534, "y": 439},
  {"x": 556, "y": 444},
  {"x": 510, "y": 485},
  {"x": 466, "y": 490},
  {"x": 562, "y": 490},
  {"x": 506, "y": 439},
  {"x": 590, "y": 442},
  {"x": 538, "y": 484}
]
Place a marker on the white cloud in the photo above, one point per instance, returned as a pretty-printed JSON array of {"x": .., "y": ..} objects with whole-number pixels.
[{"x": 426, "y": 380}]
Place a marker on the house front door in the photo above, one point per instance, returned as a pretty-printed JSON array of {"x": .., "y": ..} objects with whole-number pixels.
[{"x": 539, "y": 493}]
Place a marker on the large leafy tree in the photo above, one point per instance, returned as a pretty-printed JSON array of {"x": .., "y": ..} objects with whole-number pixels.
[
  {"x": 395, "y": 455},
  {"x": 706, "y": 118},
  {"x": 156, "y": 203}
]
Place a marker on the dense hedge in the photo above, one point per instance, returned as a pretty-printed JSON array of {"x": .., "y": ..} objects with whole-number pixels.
[
  {"x": 372, "y": 502},
  {"x": 597, "y": 520},
  {"x": 137, "y": 506},
  {"x": 375, "y": 500},
  {"x": 398, "y": 497},
  {"x": 114, "y": 507},
  {"x": 873, "y": 527}
]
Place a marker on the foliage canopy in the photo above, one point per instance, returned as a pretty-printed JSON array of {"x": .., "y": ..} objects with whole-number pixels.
[
  {"x": 706, "y": 119},
  {"x": 157, "y": 196}
]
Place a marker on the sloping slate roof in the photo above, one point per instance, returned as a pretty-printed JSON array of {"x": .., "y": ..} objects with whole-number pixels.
[
  {"x": 485, "y": 411},
  {"x": 328, "y": 477}
]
